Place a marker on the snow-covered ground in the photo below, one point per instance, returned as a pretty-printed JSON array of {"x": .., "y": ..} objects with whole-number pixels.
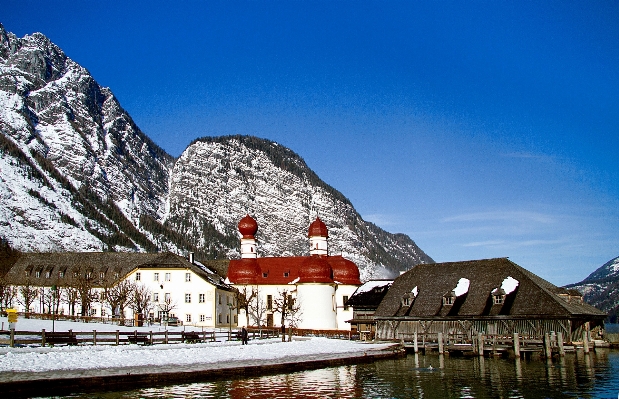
[{"x": 43, "y": 359}]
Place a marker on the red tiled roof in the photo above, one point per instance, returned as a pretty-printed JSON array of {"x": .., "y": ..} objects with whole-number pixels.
[{"x": 286, "y": 270}]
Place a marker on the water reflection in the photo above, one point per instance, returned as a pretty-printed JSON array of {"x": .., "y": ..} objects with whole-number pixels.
[{"x": 592, "y": 375}]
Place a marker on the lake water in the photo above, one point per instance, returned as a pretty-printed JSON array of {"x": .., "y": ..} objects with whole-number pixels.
[{"x": 578, "y": 375}]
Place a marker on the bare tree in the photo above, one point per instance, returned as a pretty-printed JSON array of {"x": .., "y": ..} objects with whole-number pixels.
[
  {"x": 117, "y": 297},
  {"x": 46, "y": 298},
  {"x": 283, "y": 304},
  {"x": 84, "y": 281},
  {"x": 28, "y": 294},
  {"x": 257, "y": 309},
  {"x": 72, "y": 295},
  {"x": 139, "y": 299},
  {"x": 7, "y": 294},
  {"x": 294, "y": 315},
  {"x": 167, "y": 306},
  {"x": 244, "y": 298}
]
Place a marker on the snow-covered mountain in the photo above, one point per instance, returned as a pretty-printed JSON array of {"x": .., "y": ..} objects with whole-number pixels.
[
  {"x": 76, "y": 173},
  {"x": 601, "y": 289}
]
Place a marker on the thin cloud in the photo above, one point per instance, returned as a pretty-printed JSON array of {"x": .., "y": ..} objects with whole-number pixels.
[
  {"x": 515, "y": 216},
  {"x": 379, "y": 219},
  {"x": 527, "y": 155},
  {"x": 513, "y": 244}
]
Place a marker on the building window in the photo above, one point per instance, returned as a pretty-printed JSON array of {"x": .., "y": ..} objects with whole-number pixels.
[
  {"x": 187, "y": 298},
  {"x": 448, "y": 300},
  {"x": 345, "y": 300},
  {"x": 290, "y": 302},
  {"x": 167, "y": 297},
  {"x": 220, "y": 299},
  {"x": 102, "y": 312},
  {"x": 202, "y": 318},
  {"x": 156, "y": 297},
  {"x": 227, "y": 319},
  {"x": 187, "y": 277},
  {"x": 236, "y": 319},
  {"x": 156, "y": 277},
  {"x": 265, "y": 275},
  {"x": 48, "y": 274},
  {"x": 116, "y": 275},
  {"x": 37, "y": 274},
  {"x": 286, "y": 274},
  {"x": 89, "y": 275},
  {"x": 102, "y": 275},
  {"x": 168, "y": 277},
  {"x": 201, "y": 298},
  {"x": 219, "y": 318},
  {"x": 269, "y": 302},
  {"x": 61, "y": 274},
  {"x": 188, "y": 318},
  {"x": 138, "y": 276}
]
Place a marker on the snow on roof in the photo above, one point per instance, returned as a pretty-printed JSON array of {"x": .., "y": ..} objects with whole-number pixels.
[
  {"x": 415, "y": 291},
  {"x": 462, "y": 287},
  {"x": 370, "y": 285},
  {"x": 509, "y": 285}
]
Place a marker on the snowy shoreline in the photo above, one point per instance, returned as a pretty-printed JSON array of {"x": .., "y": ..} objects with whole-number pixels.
[{"x": 36, "y": 359}]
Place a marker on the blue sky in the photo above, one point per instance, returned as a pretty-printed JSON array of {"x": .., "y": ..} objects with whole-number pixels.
[{"x": 479, "y": 128}]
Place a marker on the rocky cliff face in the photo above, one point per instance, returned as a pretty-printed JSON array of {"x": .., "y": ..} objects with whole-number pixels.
[
  {"x": 216, "y": 181},
  {"x": 76, "y": 173},
  {"x": 601, "y": 289}
]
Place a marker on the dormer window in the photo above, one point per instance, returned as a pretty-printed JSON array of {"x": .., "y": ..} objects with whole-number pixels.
[
  {"x": 409, "y": 298},
  {"x": 265, "y": 275},
  {"x": 498, "y": 296},
  {"x": 449, "y": 298},
  {"x": 286, "y": 274}
]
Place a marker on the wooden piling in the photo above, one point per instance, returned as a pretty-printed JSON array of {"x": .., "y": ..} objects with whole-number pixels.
[
  {"x": 440, "y": 343},
  {"x": 516, "y": 345},
  {"x": 585, "y": 341},
  {"x": 42, "y": 337},
  {"x": 416, "y": 346},
  {"x": 480, "y": 340},
  {"x": 94, "y": 337},
  {"x": 560, "y": 342},
  {"x": 547, "y": 348}
]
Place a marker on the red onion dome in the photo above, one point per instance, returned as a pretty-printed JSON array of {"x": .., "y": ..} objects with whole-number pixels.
[
  {"x": 315, "y": 269},
  {"x": 344, "y": 271},
  {"x": 243, "y": 271},
  {"x": 318, "y": 229},
  {"x": 248, "y": 226}
]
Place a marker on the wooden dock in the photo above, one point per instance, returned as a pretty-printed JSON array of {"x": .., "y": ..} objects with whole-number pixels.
[{"x": 494, "y": 345}]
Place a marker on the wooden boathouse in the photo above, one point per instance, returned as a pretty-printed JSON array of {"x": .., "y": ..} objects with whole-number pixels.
[{"x": 482, "y": 304}]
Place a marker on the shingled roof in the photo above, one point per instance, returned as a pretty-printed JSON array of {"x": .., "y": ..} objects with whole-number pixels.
[
  {"x": 533, "y": 297},
  {"x": 45, "y": 268},
  {"x": 370, "y": 294}
]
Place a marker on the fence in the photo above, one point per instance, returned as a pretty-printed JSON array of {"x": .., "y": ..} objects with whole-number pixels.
[{"x": 94, "y": 337}]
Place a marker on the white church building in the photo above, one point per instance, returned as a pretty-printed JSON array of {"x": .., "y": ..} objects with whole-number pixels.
[{"x": 319, "y": 284}]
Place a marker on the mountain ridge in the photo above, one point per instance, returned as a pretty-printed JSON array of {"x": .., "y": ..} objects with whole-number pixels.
[
  {"x": 77, "y": 173},
  {"x": 601, "y": 289}
]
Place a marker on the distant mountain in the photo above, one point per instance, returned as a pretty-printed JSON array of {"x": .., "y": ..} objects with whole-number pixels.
[
  {"x": 601, "y": 289},
  {"x": 76, "y": 173}
]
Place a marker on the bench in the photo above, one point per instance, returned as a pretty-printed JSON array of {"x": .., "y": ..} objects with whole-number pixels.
[
  {"x": 54, "y": 338},
  {"x": 143, "y": 339},
  {"x": 191, "y": 337}
]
